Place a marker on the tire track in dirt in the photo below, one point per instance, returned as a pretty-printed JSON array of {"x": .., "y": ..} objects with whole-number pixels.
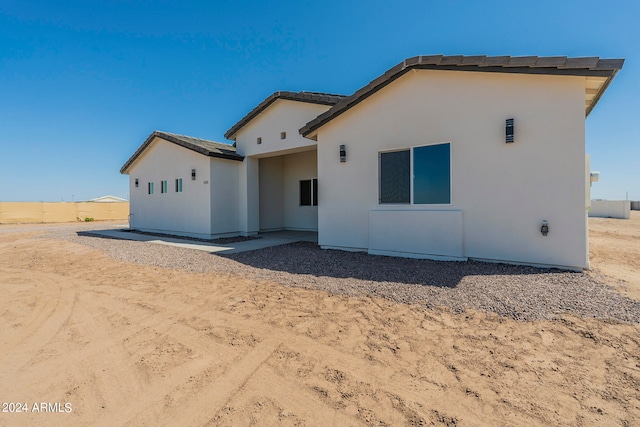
[
  {"x": 111, "y": 346},
  {"x": 210, "y": 399},
  {"x": 270, "y": 385},
  {"x": 376, "y": 375},
  {"x": 47, "y": 318}
]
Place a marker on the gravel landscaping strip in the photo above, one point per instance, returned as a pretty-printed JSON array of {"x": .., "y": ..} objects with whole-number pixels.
[{"x": 517, "y": 292}]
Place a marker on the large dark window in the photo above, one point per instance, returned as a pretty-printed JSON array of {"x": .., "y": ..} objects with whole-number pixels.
[
  {"x": 431, "y": 175},
  {"x": 395, "y": 183},
  {"x": 309, "y": 192}
]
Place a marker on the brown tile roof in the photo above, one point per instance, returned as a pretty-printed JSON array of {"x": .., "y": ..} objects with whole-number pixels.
[
  {"x": 312, "y": 97},
  {"x": 202, "y": 146},
  {"x": 557, "y": 65}
]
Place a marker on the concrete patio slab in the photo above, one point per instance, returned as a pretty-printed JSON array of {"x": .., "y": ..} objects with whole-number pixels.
[{"x": 263, "y": 240}]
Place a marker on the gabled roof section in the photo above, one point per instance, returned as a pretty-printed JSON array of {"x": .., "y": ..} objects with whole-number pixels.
[
  {"x": 202, "y": 146},
  {"x": 599, "y": 73},
  {"x": 311, "y": 97}
]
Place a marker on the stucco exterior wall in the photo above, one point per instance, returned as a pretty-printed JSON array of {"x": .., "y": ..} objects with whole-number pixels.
[
  {"x": 298, "y": 167},
  {"x": 224, "y": 189},
  {"x": 280, "y": 178},
  {"x": 187, "y": 213},
  {"x": 504, "y": 191},
  {"x": 281, "y": 116},
  {"x": 610, "y": 209},
  {"x": 249, "y": 196},
  {"x": 271, "y": 193}
]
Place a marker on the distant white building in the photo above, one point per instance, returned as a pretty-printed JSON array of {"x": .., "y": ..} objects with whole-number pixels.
[{"x": 442, "y": 157}]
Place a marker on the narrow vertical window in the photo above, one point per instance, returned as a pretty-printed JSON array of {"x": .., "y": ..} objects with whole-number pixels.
[
  {"x": 178, "y": 185},
  {"x": 150, "y": 188},
  {"x": 309, "y": 192},
  {"x": 315, "y": 192},
  {"x": 163, "y": 186},
  {"x": 305, "y": 192}
]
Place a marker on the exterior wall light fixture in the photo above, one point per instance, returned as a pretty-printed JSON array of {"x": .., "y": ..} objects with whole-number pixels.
[
  {"x": 510, "y": 128},
  {"x": 545, "y": 228},
  {"x": 193, "y": 174},
  {"x": 343, "y": 154}
]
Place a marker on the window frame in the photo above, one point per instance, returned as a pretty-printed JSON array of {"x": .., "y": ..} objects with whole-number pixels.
[
  {"x": 412, "y": 175},
  {"x": 314, "y": 192}
]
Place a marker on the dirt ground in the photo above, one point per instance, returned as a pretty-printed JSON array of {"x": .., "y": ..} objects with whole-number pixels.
[
  {"x": 102, "y": 342},
  {"x": 614, "y": 250}
]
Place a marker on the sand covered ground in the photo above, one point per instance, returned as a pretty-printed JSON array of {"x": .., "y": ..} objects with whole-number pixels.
[{"x": 101, "y": 341}]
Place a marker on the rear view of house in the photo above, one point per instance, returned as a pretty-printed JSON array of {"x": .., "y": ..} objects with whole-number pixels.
[{"x": 442, "y": 157}]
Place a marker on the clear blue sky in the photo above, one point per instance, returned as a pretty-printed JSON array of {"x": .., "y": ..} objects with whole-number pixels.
[{"x": 83, "y": 83}]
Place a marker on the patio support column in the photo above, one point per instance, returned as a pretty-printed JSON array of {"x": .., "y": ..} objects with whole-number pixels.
[{"x": 249, "y": 209}]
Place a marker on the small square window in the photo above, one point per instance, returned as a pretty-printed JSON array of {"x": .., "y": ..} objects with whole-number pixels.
[
  {"x": 259, "y": 140},
  {"x": 178, "y": 185},
  {"x": 283, "y": 135}
]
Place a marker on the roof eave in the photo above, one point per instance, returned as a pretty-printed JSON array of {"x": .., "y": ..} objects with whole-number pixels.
[
  {"x": 600, "y": 93},
  {"x": 124, "y": 170},
  {"x": 524, "y": 65},
  {"x": 312, "y": 98}
]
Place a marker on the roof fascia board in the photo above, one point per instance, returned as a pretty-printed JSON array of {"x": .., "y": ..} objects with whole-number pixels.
[
  {"x": 605, "y": 68},
  {"x": 169, "y": 138},
  {"x": 307, "y": 97},
  {"x": 603, "y": 88}
]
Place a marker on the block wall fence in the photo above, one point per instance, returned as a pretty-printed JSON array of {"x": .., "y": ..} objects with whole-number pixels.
[{"x": 50, "y": 212}]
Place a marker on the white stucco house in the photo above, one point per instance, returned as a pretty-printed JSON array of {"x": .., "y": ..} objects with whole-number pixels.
[
  {"x": 441, "y": 157},
  {"x": 108, "y": 199}
]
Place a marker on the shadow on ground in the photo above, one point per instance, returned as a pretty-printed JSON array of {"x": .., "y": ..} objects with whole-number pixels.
[{"x": 308, "y": 258}]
